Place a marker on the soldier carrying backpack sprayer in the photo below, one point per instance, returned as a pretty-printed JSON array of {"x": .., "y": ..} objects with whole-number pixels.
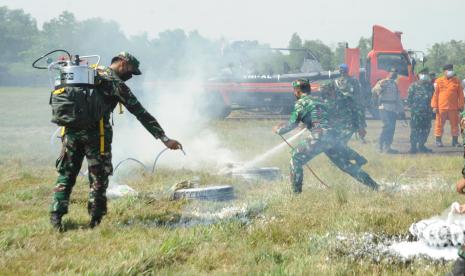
[{"x": 82, "y": 103}]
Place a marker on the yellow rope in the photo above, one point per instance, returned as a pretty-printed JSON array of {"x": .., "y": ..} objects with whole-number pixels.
[{"x": 102, "y": 137}]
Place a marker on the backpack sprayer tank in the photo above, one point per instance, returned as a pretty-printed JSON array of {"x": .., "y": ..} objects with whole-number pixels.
[
  {"x": 72, "y": 72},
  {"x": 74, "y": 100}
]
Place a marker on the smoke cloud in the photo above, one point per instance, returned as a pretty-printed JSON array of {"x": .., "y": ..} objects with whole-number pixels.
[{"x": 175, "y": 105}]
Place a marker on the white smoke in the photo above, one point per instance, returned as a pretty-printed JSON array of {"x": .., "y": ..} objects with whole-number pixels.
[{"x": 174, "y": 104}]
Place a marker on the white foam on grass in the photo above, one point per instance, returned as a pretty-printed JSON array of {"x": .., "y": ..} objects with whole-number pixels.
[
  {"x": 438, "y": 237},
  {"x": 409, "y": 250},
  {"x": 116, "y": 190}
]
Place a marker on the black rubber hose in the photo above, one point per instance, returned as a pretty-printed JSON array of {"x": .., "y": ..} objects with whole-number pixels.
[
  {"x": 140, "y": 163},
  {"x": 156, "y": 159},
  {"x": 129, "y": 159},
  {"x": 49, "y": 53}
]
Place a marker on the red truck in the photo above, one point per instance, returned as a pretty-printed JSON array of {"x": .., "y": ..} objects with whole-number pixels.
[
  {"x": 274, "y": 92},
  {"x": 387, "y": 52}
]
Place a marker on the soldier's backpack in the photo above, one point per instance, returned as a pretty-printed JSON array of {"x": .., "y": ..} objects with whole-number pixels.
[
  {"x": 76, "y": 101},
  {"x": 77, "y": 106}
]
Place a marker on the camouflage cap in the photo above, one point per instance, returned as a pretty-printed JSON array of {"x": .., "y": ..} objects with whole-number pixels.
[
  {"x": 132, "y": 60},
  {"x": 303, "y": 84}
]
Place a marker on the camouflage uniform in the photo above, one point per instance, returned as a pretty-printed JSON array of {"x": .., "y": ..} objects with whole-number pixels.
[
  {"x": 80, "y": 143},
  {"x": 314, "y": 114},
  {"x": 347, "y": 113},
  {"x": 346, "y": 117},
  {"x": 419, "y": 99}
]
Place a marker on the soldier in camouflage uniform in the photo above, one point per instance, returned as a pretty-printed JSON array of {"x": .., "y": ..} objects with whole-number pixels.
[
  {"x": 94, "y": 142},
  {"x": 347, "y": 116},
  {"x": 419, "y": 99},
  {"x": 343, "y": 97},
  {"x": 313, "y": 113}
]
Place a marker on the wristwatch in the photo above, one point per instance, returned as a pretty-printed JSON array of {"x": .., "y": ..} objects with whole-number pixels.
[{"x": 165, "y": 139}]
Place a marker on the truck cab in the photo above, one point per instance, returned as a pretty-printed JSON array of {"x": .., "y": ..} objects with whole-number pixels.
[{"x": 387, "y": 52}]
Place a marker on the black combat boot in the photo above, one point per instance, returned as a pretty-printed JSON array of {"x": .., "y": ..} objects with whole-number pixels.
[
  {"x": 439, "y": 142},
  {"x": 95, "y": 221},
  {"x": 55, "y": 220},
  {"x": 423, "y": 149},
  {"x": 455, "y": 141}
]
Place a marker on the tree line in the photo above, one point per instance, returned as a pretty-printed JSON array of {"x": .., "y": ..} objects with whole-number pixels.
[{"x": 173, "y": 53}]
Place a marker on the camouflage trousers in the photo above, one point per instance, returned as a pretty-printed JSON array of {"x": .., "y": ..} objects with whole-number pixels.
[
  {"x": 78, "y": 144},
  {"x": 420, "y": 126},
  {"x": 341, "y": 155}
]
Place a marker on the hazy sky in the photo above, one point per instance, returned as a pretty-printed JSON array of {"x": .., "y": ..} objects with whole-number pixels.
[{"x": 423, "y": 22}]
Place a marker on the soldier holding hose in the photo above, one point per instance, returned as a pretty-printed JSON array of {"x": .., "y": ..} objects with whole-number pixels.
[{"x": 313, "y": 113}]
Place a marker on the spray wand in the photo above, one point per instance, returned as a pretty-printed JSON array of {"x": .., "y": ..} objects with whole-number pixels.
[{"x": 306, "y": 165}]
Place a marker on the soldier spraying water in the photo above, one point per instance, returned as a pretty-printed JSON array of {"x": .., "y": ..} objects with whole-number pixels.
[{"x": 313, "y": 113}]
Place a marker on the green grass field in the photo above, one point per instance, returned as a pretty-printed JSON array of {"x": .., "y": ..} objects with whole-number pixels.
[{"x": 281, "y": 234}]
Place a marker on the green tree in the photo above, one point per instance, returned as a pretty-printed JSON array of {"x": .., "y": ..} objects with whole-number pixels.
[
  {"x": 62, "y": 33},
  {"x": 295, "y": 57},
  {"x": 339, "y": 53},
  {"x": 17, "y": 34},
  {"x": 322, "y": 52},
  {"x": 364, "y": 44}
]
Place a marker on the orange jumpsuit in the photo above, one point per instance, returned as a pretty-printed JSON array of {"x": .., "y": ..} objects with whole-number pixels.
[{"x": 448, "y": 99}]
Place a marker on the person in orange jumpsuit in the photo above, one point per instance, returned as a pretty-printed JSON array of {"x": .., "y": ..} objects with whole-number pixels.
[{"x": 447, "y": 103}]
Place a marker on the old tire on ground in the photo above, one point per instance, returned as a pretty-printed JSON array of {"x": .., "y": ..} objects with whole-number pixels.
[{"x": 214, "y": 193}]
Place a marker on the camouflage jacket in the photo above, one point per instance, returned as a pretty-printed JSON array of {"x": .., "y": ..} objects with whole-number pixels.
[
  {"x": 346, "y": 113},
  {"x": 310, "y": 111},
  {"x": 386, "y": 95},
  {"x": 116, "y": 91},
  {"x": 419, "y": 97}
]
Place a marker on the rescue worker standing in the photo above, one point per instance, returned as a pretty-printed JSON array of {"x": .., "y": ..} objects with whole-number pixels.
[
  {"x": 447, "y": 103},
  {"x": 313, "y": 113},
  {"x": 94, "y": 142},
  {"x": 386, "y": 95},
  {"x": 419, "y": 99}
]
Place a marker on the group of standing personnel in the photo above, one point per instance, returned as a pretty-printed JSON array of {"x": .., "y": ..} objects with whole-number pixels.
[
  {"x": 443, "y": 96},
  {"x": 333, "y": 118}
]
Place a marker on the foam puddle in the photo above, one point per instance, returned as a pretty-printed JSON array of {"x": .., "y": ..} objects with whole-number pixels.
[
  {"x": 438, "y": 237},
  {"x": 410, "y": 250},
  {"x": 116, "y": 190}
]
